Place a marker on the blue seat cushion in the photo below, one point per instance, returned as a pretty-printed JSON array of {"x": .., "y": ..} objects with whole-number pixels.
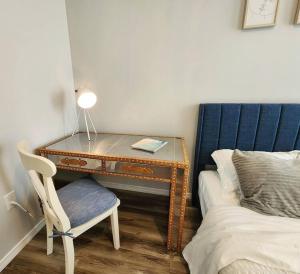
[{"x": 85, "y": 199}]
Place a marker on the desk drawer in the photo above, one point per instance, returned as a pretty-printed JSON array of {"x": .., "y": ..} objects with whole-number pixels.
[
  {"x": 138, "y": 169},
  {"x": 75, "y": 162}
]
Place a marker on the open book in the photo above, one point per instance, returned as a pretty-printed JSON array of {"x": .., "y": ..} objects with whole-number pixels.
[{"x": 149, "y": 145}]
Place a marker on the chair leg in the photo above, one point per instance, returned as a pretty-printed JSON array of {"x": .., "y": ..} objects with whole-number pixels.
[
  {"x": 49, "y": 227},
  {"x": 115, "y": 228},
  {"x": 69, "y": 254}
]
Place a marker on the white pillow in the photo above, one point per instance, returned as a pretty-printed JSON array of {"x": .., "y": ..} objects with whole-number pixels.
[
  {"x": 211, "y": 192},
  {"x": 229, "y": 178}
]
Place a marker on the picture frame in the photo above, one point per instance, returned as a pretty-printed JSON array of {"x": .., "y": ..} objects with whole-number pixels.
[
  {"x": 297, "y": 16},
  {"x": 260, "y": 13}
]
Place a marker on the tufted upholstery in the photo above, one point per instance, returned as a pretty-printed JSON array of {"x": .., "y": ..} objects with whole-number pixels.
[
  {"x": 85, "y": 199},
  {"x": 262, "y": 127}
]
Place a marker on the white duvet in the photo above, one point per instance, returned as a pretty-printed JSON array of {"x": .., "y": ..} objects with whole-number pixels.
[{"x": 230, "y": 233}]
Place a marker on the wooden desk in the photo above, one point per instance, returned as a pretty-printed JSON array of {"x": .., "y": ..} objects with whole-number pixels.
[{"x": 111, "y": 154}]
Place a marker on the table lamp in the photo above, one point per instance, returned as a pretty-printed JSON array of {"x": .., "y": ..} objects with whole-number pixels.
[{"x": 86, "y": 99}]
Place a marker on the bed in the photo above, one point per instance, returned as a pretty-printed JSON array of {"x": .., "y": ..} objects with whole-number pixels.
[{"x": 249, "y": 127}]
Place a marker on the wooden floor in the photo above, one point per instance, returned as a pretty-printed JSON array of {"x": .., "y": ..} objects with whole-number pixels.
[{"x": 143, "y": 228}]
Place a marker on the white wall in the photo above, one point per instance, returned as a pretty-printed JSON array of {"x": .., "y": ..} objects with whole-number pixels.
[
  {"x": 152, "y": 62},
  {"x": 37, "y": 98}
]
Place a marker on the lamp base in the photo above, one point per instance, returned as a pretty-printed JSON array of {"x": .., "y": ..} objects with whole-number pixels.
[{"x": 87, "y": 120}]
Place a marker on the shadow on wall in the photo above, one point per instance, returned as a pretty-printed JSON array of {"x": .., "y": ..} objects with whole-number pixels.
[
  {"x": 25, "y": 194},
  {"x": 59, "y": 100},
  {"x": 64, "y": 109},
  {"x": 4, "y": 178}
]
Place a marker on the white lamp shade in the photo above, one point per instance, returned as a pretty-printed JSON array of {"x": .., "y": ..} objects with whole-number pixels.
[{"x": 86, "y": 99}]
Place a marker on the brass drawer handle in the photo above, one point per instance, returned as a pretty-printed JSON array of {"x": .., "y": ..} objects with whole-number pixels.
[
  {"x": 73, "y": 162},
  {"x": 137, "y": 169}
]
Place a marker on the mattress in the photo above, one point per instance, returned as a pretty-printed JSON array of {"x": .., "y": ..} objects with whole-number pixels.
[{"x": 211, "y": 194}]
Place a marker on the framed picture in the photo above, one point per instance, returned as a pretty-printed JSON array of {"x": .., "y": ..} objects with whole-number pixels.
[
  {"x": 260, "y": 13},
  {"x": 297, "y": 18}
]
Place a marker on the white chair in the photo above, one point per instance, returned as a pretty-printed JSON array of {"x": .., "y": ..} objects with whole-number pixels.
[{"x": 72, "y": 209}]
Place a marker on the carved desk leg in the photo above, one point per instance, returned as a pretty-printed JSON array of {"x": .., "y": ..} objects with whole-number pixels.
[
  {"x": 182, "y": 208},
  {"x": 171, "y": 209}
]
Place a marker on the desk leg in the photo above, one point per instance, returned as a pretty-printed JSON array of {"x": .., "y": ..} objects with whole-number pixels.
[
  {"x": 171, "y": 209},
  {"x": 182, "y": 208}
]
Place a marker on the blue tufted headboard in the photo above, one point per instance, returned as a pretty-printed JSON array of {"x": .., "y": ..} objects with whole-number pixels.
[{"x": 264, "y": 127}]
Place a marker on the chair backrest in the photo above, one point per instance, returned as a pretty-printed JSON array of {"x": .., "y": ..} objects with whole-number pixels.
[{"x": 38, "y": 165}]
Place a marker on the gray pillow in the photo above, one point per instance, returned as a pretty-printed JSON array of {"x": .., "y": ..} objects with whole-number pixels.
[{"x": 269, "y": 185}]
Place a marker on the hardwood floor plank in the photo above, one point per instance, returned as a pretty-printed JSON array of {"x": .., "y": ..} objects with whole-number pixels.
[{"x": 178, "y": 265}]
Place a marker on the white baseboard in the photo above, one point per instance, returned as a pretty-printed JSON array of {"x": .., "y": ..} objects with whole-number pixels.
[{"x": 21, "y": 244}]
